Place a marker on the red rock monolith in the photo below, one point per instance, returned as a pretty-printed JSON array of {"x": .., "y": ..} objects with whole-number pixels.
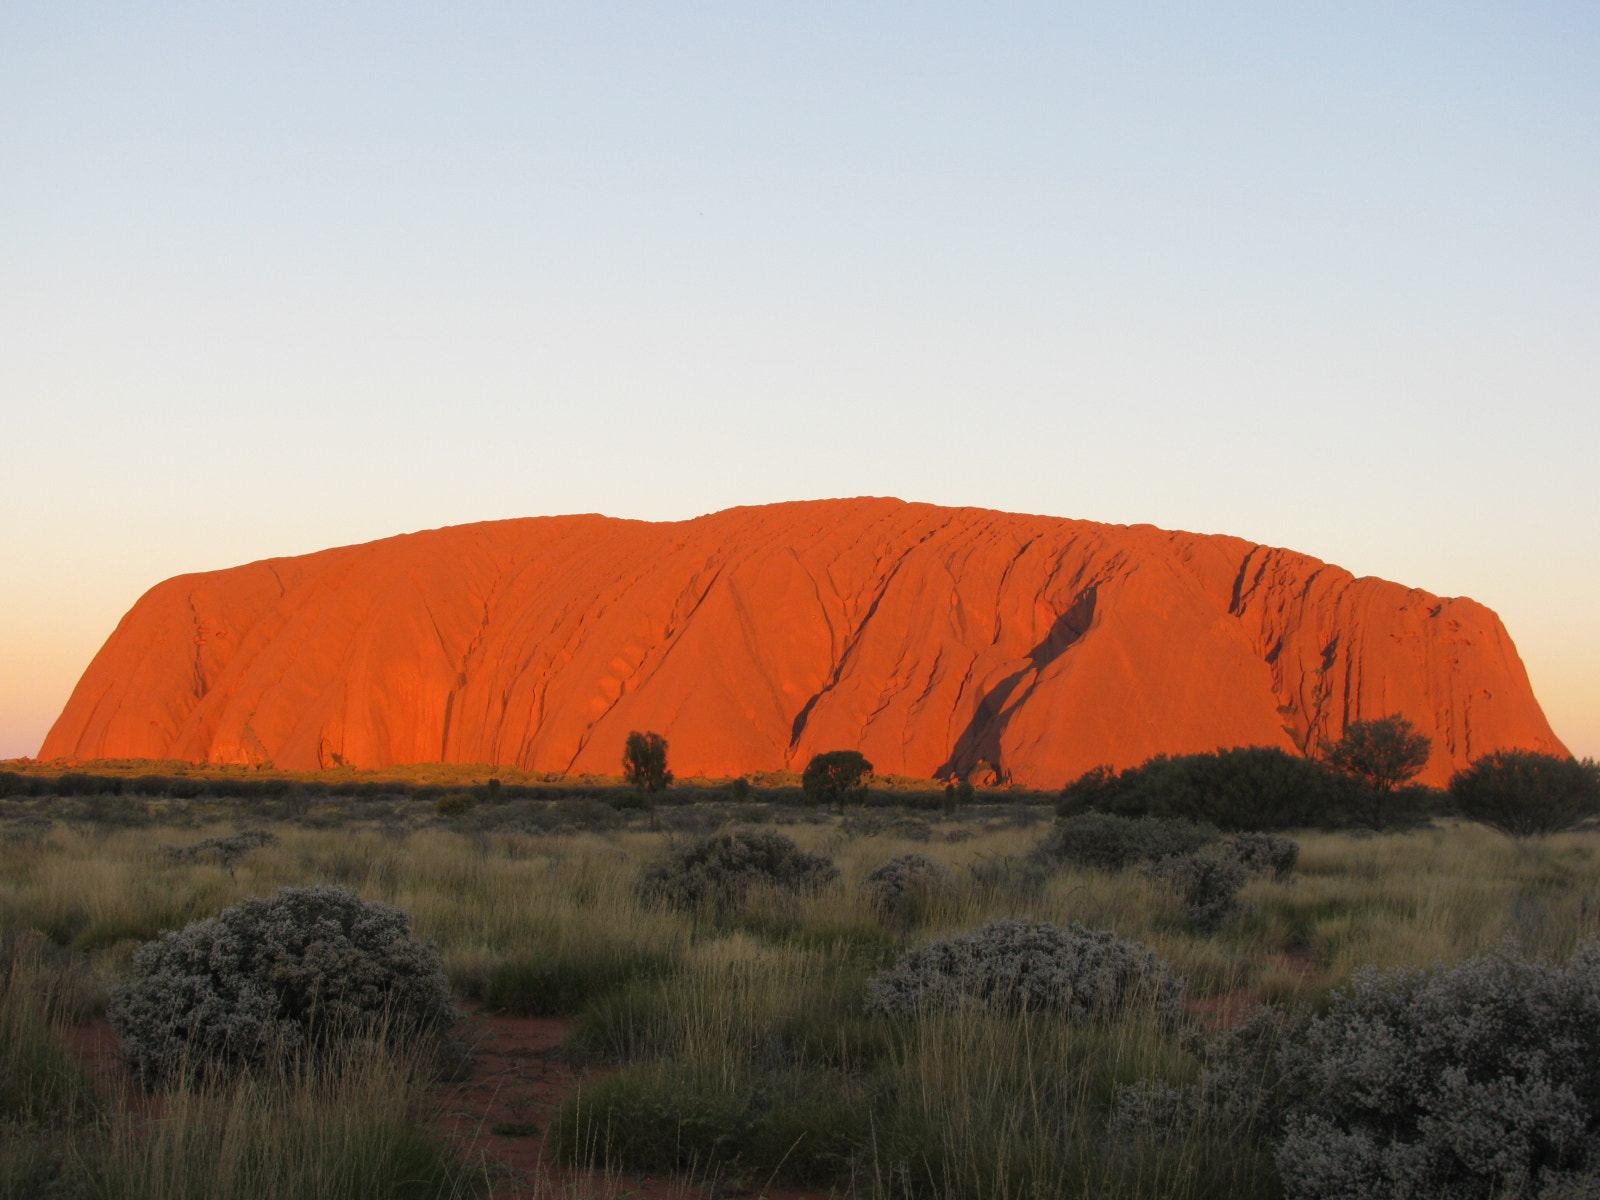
[{"x": 934, "y": 640}]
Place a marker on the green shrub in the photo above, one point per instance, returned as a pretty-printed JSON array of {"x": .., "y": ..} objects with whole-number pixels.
[
  {"x": 1114, "y": 843},
  {"x": 455, "y": 805},
  {"x": 793, "y": 1125},
  {"x": 1096, "y": 789},
  {"x": 644, "y": 762},
  {"x": 1523, "y": 792},
  {"x": 1245, "y": 788},
  {"x": 718, "y": 872},
  {"x": 838, "y": 777},
  {"x": 1383, "y": 754},
  {"x": 1210, "y": 878},
  {"x": 41, "y": 1082},
  {"x": 561, "y": 985},
  {"x": 274, "y": 977}
]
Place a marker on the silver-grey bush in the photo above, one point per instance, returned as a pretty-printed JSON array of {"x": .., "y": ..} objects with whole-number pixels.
[
  {"x": 1017, "y": 965},
  {"x": 1264, "y": 853},
  {"x": 1474, "y": 1081},
  {"x": 277, "y": 976},
  {"x": 1209, "y": 881},
  {"x": 902, "y": 887},
  {"x": 718, "y": 871}
]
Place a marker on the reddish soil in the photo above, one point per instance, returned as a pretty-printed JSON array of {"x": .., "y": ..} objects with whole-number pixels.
[
  {"x": 1230, "y": 1008},
  {"x": 519, "y": 1076},
  {"x": 96, "y": 1047}
]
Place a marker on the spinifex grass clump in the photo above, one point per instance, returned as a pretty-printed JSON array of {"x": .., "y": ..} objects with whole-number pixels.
[
  {"x": 48, "y": 1102},
  {"x": 902, "y": 888},
  {"x": 561, "y": 984},
  {"x": 40, "y": 1081},
  {"x": 352, "y": 1126},
  {"x": 277, "y": 977},
  {"x": 1013, "y": 966},
  {"x": 791, "y": 1125},
  {"x": 718, "y": 872}
]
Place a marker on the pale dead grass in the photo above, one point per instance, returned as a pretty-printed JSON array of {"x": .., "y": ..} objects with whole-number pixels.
[
  {"x": 793, "y": 966},
  {"x": 1433, "y": 895}
]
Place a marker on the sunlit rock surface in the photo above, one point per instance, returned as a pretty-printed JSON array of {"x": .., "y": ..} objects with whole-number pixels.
[{"x": 934, "y": 640}]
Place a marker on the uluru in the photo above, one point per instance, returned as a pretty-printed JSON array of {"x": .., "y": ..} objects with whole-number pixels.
[{"x": 937, "y": 641}]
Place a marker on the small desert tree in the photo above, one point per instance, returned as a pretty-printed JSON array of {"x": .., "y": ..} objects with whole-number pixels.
[
  {"x": 837, "y": 777},
  {"x": 644, "y": 762},
  {"x": 1523, "y": 792},
  {"x": 1381, "y": 755}
]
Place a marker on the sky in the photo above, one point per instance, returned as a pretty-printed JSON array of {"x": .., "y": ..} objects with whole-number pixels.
[{"x": 277, "y": 277}]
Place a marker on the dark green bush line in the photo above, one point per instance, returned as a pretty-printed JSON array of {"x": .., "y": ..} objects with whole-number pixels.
[
  {"x": 1523, "y": 793},
  {"x": 172, "y": 787},
  {"x": 1112, "y": 842},
  {"x": 1246, "y": 788}
]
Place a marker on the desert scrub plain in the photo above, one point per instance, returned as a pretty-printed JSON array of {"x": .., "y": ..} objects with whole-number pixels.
[{"x": 730, "y": 1041}]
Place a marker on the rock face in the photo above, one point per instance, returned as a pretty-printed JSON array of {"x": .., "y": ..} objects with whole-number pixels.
[{"x": 933, "y": 640}]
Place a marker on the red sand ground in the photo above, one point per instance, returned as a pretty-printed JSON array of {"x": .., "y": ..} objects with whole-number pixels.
[
  {"x": 934, "y": 640},
  {"x": 518, "y": 1075}
]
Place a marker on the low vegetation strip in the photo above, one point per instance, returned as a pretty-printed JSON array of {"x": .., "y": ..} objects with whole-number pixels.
[{"x": 738, "y": 1034}]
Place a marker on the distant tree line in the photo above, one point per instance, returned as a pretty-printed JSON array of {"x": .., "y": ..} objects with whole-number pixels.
[{"x": 1363, "y": 780}]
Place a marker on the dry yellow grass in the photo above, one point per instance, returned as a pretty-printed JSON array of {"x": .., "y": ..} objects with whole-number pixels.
[
  {"x": 1421, "y": 897},
  {"x": 782, "y": 982}
]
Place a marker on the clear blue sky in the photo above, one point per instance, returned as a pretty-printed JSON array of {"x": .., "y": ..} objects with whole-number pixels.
[{"x": 275, "y": 277}]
